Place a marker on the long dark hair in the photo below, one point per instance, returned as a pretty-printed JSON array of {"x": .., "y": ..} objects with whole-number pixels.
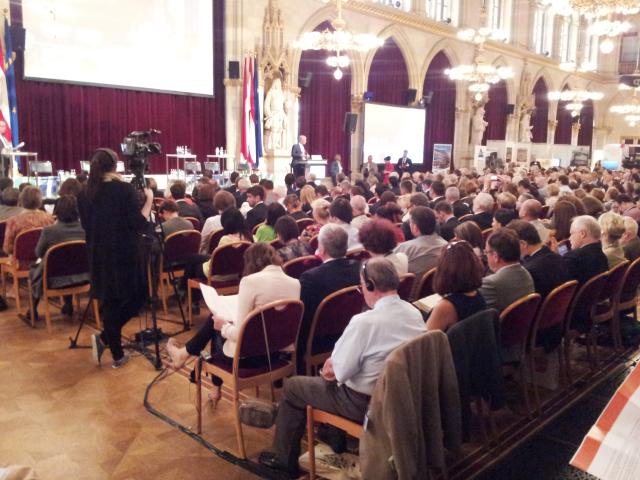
[
  {"x": 233, "y": 223},
  {"x": 104, "y": 160}
]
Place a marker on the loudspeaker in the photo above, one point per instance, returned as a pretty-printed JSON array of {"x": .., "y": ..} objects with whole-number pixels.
[
  {"x": 510, "y": 108},
  {"x": 410, "y": 96},
  {"x": 234, "y": 69},
  {"x": 17, "y": 38},
  {"x": 350, "y": 122},
  {"x": 367, "y": 96},
  {"x": 305, "y": 81},
  {"x": 426, "y": 99}
]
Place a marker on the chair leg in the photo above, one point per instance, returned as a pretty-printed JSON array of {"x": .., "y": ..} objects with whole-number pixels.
[
  {"x": 525, "y": 391},
  {"x": 47, "y": 314},
  {"x": 32, "y": 310},
  {"x": 96, "y": 313},
  {"x": 567, "y": 362},
  {"x": 189, "y": 309},
  {"x": 16, "y": 288},
  {"x": 199, "y": 394},
  {"x": 163, "y": 294},
  {"x": 310, "y": 443},
  {"x": 236, "y": 414},
  {"x": 532, "y": 374}
]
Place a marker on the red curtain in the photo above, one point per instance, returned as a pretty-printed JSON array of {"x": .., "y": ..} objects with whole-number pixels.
[
  {"x": 585, "y": 137},
  {"x": 323, "y": 105},
  {"x": 388, "y": 77},
  {"x": 65, "y": 123},
  {"x": 539, "y": 118},
  {"x": 441, "y": 113},
  {"x": 563, "y": 127},
  {"x": 496, "y": 113}
]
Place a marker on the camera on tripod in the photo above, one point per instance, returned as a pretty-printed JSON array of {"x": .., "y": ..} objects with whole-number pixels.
[{"x": 138, "y": 146}]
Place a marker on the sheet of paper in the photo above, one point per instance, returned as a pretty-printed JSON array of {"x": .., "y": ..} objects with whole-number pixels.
[
  {"x": 426, "y": 304},
  {"x": 221, "y": 306},
  {"x": 611, "y": 449}
]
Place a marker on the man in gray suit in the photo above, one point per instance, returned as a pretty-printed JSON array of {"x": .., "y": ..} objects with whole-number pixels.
[
  {"x": 299, "y": 157},
  {"x": 510, "y": 280}
]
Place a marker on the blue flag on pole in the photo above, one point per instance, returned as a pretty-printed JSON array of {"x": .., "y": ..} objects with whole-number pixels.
[{"x": 11, "y": 83}]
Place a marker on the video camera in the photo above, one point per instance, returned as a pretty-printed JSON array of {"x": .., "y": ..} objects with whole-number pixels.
[{"x": 138, "y": 146}]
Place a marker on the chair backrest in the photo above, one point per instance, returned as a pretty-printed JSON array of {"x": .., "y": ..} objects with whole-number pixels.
[
  {"x": 228, "y": 259},
  {"x": 405, "y": 288},
  {"x": 425, "y": 287},
  {"x": 372, "y": 201},
  {"x": 297, "y": 266},
  {"x": 334, "y": 314},
  {"x": 485, "y": 234},
  {"x": 276, "y": 244},
  {"x": 256, "y": 227},
  {"x": 3, "y": 229},
  {"x": 630, "y": 282},
  {"x": 214, "y": 240},
  {"x": 466, "y": 217},
  {"x": 516, "y": 320},
  {"x": 359, "y": 254},
  {"x": 24, "y": 247},
  {"x": 313, "y": 243},
  {"x": 555, "y": 307},
  {"x": 304, "y": 223},
  {"x": 612, "y": 288},
  {"x": 197, "y": 225},
  {"x": 585, "y": 301},
  {"x": 65, "y": 259},
  {"x": 281, "y": 321},
  {"x": 180, "y": 245}
]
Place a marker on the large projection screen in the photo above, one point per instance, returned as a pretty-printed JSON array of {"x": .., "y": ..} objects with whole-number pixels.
[
  {"x": 389, "y": 130},
  {"x": 164, "y": 45}
]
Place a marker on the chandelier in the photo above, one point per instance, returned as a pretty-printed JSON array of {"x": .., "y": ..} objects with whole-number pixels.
[
  {"x": 632, "y": 119},
  {"x": 585, "y": 66},
  {"x": 608, "y": 28},
  {"x": 631, "y": 108},
  {"x": 480, "y": 75},
  {"x": 575, "y": 99},
  {"x": 603, "y": 8},
  {"x": 337, "y": 42},
  {"x": 481, "y": 35}
]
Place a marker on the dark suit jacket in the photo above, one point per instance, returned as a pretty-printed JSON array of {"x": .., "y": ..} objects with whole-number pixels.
[
  {"x": 256, "y": 215},
  {"x": 547, "y": 270},
  {"x": 460, "y": 208},
  {"x": 632, "y": 249},
  {"x": 433, "y": 202},
  {"x": 446, "y": 229},
  {"x": 316, "y": 284},
  {"x": 188, "y": 210},
  {"x": 483, "y": 220},
  {"x": 586, "y": 262},
  {"x": 407, "y": 168},
  {"x": 297, "y": 155}
]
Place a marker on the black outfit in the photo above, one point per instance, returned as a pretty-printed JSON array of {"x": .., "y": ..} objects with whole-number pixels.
[
  {"x": 256, "y": 215},
  {"x": 298, "y": 160},
  {"x": 240, "y": 197},
  {"x": 403, "y": 165},
  {"x": 299, "y": 215},
  {"x": 432, "y": 203},
  {"x": 586, "y": 262},
  {"x": 447, "y": 228},
  {"x": 315, "y": 285},
  {"x": 206, "y": 209},
  {"x": 483, "y": 220},
  {"x": 460, "y": 208},
  {"x": 114, "y": 226},
  {"x": 406, "y": 230},
  {"x": 185, "y": 209},
  {"x": 466, "y": 305},
  {"x": 547, "y": 270}
]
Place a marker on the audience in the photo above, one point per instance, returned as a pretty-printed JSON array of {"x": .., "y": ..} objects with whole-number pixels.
[
  {"x": 378, "y": 237},
  {"x": 482, "y": 210},
  {"x": 359, "y": 211},
  {"x": 612, "y": 229},
  {"x": 447, "y": 222},
  {"x": 470, "y": 232},
  {"x": 234, "y": 226},
  {"x": 563, "y": 213},
  {"x": 9, "y": 207},
  {"x": 424, "y": 250},
  {"x": 627, "y": 207},
  {"x": 340, "y": 214},
  {"x": 586, "y": 258},
  {"x": 171, "y": 221},
  {"x": 630, "y": 241},
  {"x": 186, "y": 208},
  {"x": 206, "y": 194},
  {"x": 266, "y": 232},
  {"x": 294, "y": 207},
  {"x": 452, "y": 197},
  {"x": 221, "y": 201},
  {"x": 531, "y": 211},
  {"x": 287, "y": 230},
  {"x": 31, "y": 200},
  {"x": 307, "y": 197},
  {"x": 258, "y": 212},
  {"x": 320, "y": 213}
]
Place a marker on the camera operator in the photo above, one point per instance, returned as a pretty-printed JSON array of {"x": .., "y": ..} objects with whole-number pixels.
[{"x": 114, "y": 223}]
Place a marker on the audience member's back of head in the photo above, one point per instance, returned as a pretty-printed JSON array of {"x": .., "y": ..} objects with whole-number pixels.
[
  {"x": 30, "y": 198},
  {"x": 382, "y": 274},
  {"x": 506, "y": 244},
  {"x": 531, "y": 209},
  {"x": 503, "y": 216},
  {"x": 525, "y": 231},
  {"x": 233, "y": 223},
  {"x": 178, "y": 190},
  {"x": 286, "y": 228},
  {"x": 419, "y": 199},
  {"x": 5, "y": 183},
  {"x": 223, "y": 200},
  {"x": 358, "y": 203},
  {"x": 483, "y": 203},
  {"x": 438, "y": 188},
  {"x": 168, "y": 205},
  {"x": 10, "y": 196},
  {"x": 424, "y": 219},
  {"x": 378, "y": 236},
  {"x": 391, "y": 211},
  {"x": 592, "y": 206},
  {"x": 274, "y": 212},
  {"x": 459, "y": 269},
  {"x": 66, "y": 209},
  {"x": 70, "y": 186},
  {"x": 612, "y": 226},
  {"x": 470, "y": 232},
  {"x": 258, "y": 256},
  {"x": 341, "y": 209},
  {"x": 333, "y": 240}
]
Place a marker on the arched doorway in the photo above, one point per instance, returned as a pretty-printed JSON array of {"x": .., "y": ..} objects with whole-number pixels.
[
  {"x": 496, "y": 113},
  {"x": 388, "y": 76},
  {"x": 564, "y": 121},
  {"x": 540, "y": 116}
]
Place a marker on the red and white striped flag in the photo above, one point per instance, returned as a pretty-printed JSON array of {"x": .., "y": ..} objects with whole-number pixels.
[
  {"x": 4, "y": 98},
  {"x": 248, "y": 136}
]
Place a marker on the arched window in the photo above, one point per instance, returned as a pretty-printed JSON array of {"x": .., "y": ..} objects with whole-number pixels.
[
  {"x": 569, "y": 38},
  {"x": 542, "y": 29},
  {"x": 443, "y": 11},
  {"x": 499, "y": 14}
]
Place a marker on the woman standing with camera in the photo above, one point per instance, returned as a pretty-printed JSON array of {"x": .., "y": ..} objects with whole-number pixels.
[{"x": 114, "y": 222}]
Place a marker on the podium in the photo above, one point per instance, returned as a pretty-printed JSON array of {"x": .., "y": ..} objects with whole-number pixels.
[
  {"x": 317, "y": 167},
  {"x": 39, "y": 169},
  {"x": 14, "y": 155}
]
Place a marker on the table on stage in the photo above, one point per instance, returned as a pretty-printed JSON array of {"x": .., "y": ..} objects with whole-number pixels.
[
  {"x": 179, "y": 157},
  {"x": 222, "y": 161},
  {"x": 27, "y": 155}
]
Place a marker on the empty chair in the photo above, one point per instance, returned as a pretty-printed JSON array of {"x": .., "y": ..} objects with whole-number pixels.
[
  {"x": 607, "y": 309},
  {"x": 297, "y": 266}
]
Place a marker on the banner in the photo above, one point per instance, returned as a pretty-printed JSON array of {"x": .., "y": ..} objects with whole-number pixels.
[
  {"x": 441, "y": 157},
  {"x": 257, "y": 98},
  {"x": 248, "y": 134}
]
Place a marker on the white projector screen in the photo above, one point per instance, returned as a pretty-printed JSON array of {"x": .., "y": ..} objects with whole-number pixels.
[
  {"x": 162, "y": 45},
  {"x": 389, "y": 130}
]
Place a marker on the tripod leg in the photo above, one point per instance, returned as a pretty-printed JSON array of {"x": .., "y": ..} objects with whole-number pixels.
[{"x": 73, "y": 342}]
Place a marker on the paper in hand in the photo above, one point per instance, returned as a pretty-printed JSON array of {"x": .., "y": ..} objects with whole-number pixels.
[{"x": 222, "y": 307}]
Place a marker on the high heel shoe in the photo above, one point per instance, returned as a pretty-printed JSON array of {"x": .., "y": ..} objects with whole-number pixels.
[{"x": 214, "y": 396}]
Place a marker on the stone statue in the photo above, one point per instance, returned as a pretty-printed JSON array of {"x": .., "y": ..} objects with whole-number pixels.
[
  {"x": 525, "y": 128},
  {"x": 275, "y": 116},
  {"x": 478, "y": 126}
]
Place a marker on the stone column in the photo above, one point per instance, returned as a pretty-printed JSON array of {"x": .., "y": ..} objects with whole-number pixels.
[
  {"x": 357, "y": 138},
  {"x": 462, "y": 150},
  {"x": 233, "y": 126},
  {"x": 551, "y": 131},
  {"x": 575, "y": 131},
  {"x": 600, "y": 137}
]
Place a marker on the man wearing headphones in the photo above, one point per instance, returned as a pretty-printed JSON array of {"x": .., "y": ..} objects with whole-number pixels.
[{"x": 349, "y": 376}]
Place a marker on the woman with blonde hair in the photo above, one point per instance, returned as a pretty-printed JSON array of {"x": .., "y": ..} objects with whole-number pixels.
[
  {"x": 320, "y": 212},
  {"x": 307, "y": 197},
  {"x": 612, "y": 227}
]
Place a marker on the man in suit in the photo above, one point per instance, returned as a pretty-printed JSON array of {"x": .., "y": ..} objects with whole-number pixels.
[
  {"x": 531, "y": 211},
  {"x": 404, "y": 164},
  {"x": 510, "y": 281},
  {"x": 185, "y": 208},
  {"x": 483, "y": 210},
  {"x": 299, "y": 157},
  {"x": 586, "y": 258},
  {"x": 336, "y": 272},
  {"x": 452, "y": 196},
  {"x": 418, "y": 199},
  {"x": 258, "y": 212},
  {"x": 9, "y": 207},
  {"x": 446, "y": 220},
  {"x": 436, "y": 193}
]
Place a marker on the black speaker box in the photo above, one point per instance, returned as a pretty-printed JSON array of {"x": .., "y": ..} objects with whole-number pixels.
[
  {"x": 410, "y": 96},
  {"x": 305, "y": 80},
  {"x": 234, "y": 69},
  {"x": 510, "y": 108},
  {"x": 350, "y": 122}
]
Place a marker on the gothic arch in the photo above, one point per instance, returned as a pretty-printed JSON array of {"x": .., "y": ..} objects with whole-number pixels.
[
  {"x": 445, "y": 47},
  {"x": 544, "y": 74},
  {"x": 401, "y": 40},
  {"x": 509, "y": 82}
]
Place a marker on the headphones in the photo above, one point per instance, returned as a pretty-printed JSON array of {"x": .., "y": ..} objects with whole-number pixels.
[
  {"x": 368, "y": 282},
  {"x": 111, "y": 153}
]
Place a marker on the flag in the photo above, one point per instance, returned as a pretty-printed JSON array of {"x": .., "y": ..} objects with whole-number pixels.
[
  {"x": 11, "y": 83},
  {"x": 5, "y": 114},
  {"x": 257, "y": 96},
  {"x": 248, "y": 134}
]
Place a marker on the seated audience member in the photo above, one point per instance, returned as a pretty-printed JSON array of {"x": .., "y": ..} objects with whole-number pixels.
[
  {"x": 592, "y": 206},
  {"x": 406, "y": 187},
  {"x": 294, "y": 206},
  {"x": 263, "y": 281},
  {"x": 287, "y": 230},
  {"x": 9, "y": 207},
  {"x": 609, "y": 203},
  {"x": 510, "y": 281},
  {"x": 627, "y": 207},
  {"x": 186, "y": 208},
  {"x": 507, "y": 201},
  {"x": 523, "y": 198},
  {"x": 221, "y": 201},
  {"x": 457, "y": 279},
  {"x": 242, "y": 186},
  {"x": 586, "y": 258},
  {"x": 206, "y": 193},
  {"x": 470, "y": 232},
  {"x": 232, "y": 186},
  {"x": 446, "y": 220},
  {"x": 612, "y": 229},
  {"x": 340, "y": 214},
  {"x": 234, "y": 226},
  {"x": 546, "y": 268},
  {"x": 501, "y": 218},
  {"x": 553, "y": 195},
  {"x": 563, "y": 213},
  {"x": 392, "y": 212},
  {"x": 394, "y": 183},
  {"x": 320, "y": 214},
  {"x": 482, "y": 210},
  {"x": 70, "y": 186},
  {"x": 418, "y": 199},
  {"x": 630, "y": 240},
  {"x": 359, "y": 211},
  {"x": 531, "y": 211},
  {"x": 307, "y": 197},
  {"x": 171, "y": 221},
  {"x": 336, "y": 272},
  {"x": 289, "y": 181},
  {"x": 31, "y": 200},
  {"x": 424, "y": 250},
  {"x": 5, "y": 183},
  {"x": 266, "y": 232},
  {"x": 452, "y": 196},
  {"x": 66, "y": 228},
  {"x": 348, "y": 377},
  {"x": 378, "y": 236},
  {"x": 258, "y": 212},
  {"x": 436, "y": 193}
]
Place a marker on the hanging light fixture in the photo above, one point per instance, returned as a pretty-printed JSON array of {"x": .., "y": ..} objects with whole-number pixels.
[
  {"x": 338, "y": 41},
  {"x": 575, "y": 99},
  {"x": 632, "y": 119},
  {"x": 603, "y": 8}
]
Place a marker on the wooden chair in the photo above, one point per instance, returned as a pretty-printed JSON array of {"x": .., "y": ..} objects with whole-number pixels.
[
  {"x": 24, "y": 255},
  {"x": 279, "y": 322},
  {"x": 466, "y": 217},
  {"x": 178, "y": 247},
  {"x": 297, "y": 266},
  {"x": 607, "y": 309},
  {"x": 276, "y": 244},
  {"x": 315, "y": 415},
  {"x": 359, "y": 254},
  {"x": 628, "y": 300},
  {"x": 549, "y": 321},
  {"x": 64, "y": 260},
  {"x": 405, "y": 288},
  {"x": 425, "y": 286},
  {"x": 329, "y": 321},
  {"x": 372, "y": 201},
  {"x": 545, "y": 211},
  {"x": 255, "y": 228},
  {"x": 515, "y": 324},
  {"x": 3, "y": 228},
  {"x": 197, "y": 224},
  {"x": 485, "y": 234},
  {"x": 313, "y": 243},
  {"x": 214, "y": 240},
  {"x": 304, "y": 223},
  {"x": 225, "y": 269}
]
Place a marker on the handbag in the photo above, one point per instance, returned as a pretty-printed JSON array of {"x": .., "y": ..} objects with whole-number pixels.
[{"x": 256, "y": 412}]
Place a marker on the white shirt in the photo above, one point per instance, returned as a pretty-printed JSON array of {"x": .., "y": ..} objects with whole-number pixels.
[
  {"x": 353, "y": 242},
  {"x": 359, "y": 355},
  {"x": 211, "y": 225}
]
